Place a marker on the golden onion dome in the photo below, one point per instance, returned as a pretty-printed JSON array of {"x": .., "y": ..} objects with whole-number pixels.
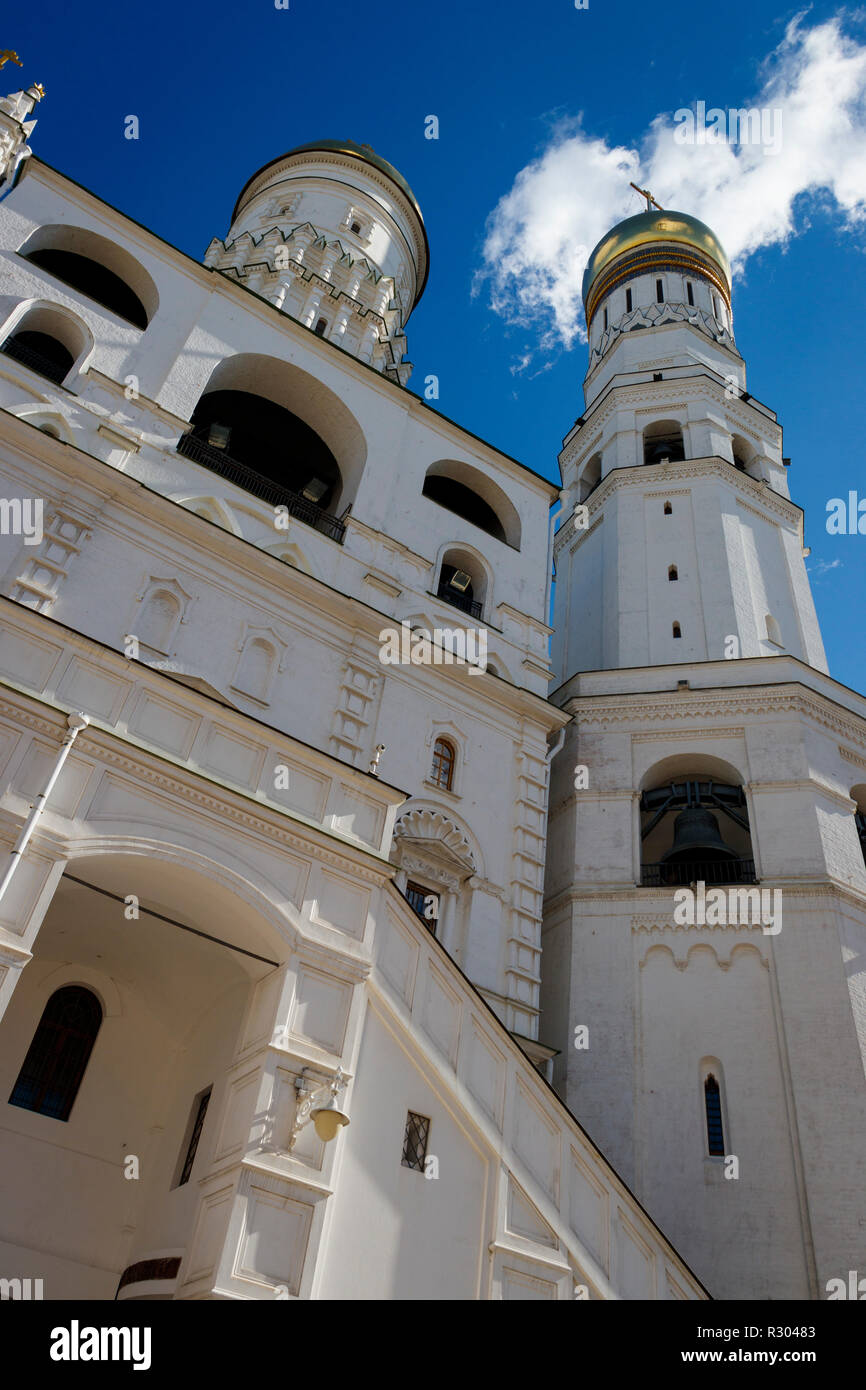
[{"x": 655, "y": 226}]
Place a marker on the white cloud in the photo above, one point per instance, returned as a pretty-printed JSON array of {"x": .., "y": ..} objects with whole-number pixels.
[
  {"x": 540, "y": 234},
  {"x": 821, "y": 567}
]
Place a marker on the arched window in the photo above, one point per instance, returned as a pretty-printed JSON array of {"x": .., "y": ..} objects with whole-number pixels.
[
  {"x": 256, "y": 668},
  {"x": 442, "y": 771},
  {"x": 56, "y": 1060},
  {"x": 668, "y": 509},
  {"x": 677, "y": 630},
  {"x": 321, "y": 328},
  {"x": 41, "y": 352},
  {"x": 471, "y": 494},
  {"x": 159, "y": 619},
  {"x": 713, "y": 1110},
  {"x": 672, "y": 572},
  {"x": 95, "y": 281},
  {"x": 590, "y": 477}
]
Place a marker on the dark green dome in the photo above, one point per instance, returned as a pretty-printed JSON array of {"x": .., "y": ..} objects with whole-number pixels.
[{"x": 367, "y": 155}]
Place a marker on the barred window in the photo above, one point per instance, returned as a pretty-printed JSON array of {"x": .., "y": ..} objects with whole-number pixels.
[
  {"x": 415, "y": 1141},
  {"x": 57, "y": 1058},
  {"x": 713, "y": 1105},
  {"x": 425, "y": 902},
  {"x": 442, "y": 771}
]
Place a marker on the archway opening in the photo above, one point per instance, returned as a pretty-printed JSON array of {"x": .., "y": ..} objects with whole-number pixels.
[
  {"x": 694, "y": 827},
  {"x": 663, "y": 440},
  {"x": 240, "y": 428},
  {"x": 97, "y": 268},
  {"x": 462, "y": 581}
]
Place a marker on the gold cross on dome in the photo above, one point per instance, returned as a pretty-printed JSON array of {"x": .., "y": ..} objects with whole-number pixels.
[
  {"x": 8, "y": 55},
  {"x": 650, "y": 200}
]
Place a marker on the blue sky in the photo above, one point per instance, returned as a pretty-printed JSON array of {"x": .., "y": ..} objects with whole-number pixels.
[{"x": 219, "y": 90}]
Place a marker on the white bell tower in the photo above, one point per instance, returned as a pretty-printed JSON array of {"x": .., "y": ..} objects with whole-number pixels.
[
  {"x": 700, "y": 543},
  {"x": 718, "y": 1061}
]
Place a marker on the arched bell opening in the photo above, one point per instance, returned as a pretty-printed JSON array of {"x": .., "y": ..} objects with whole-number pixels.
[
  {"x": 462, "y": 581},
  {"x": 275, "y": 431},
  {"x": 695, "y": 829},
  {"x": 237, "y": 431},
  {"x": 663, "y": 442}
]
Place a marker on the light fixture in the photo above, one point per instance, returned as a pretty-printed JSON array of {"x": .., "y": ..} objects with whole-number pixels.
[
  {"x": 218, "y": 436},
  {"x": 319, "y": 1104},
  {"x": 460, "y": 581},
  {"x": 315, "y": 490}
]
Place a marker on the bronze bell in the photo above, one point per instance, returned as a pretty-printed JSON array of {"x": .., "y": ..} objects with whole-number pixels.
[{"x": 697, "y": 837}]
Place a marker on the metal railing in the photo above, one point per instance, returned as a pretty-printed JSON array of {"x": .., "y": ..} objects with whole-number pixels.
[
  {"x": 236, "y": 472},
  {"x": 54, "y": 371},
  {"x": 697, "y": 871},
  {"x": 458, "y": 600}
]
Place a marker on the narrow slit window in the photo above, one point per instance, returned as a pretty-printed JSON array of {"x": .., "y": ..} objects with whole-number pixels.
[
  {"x": 673, "y": 573},
  {"x": 605, "y": 320},
  {"x": 199, "y": 1110},
  {"x": 628, "y": 301},
  {"x": 677, "y": 630},
  {"x": 415, "y": 1141},
  {"x": 660, "y": 292},
  {"x": 713, "y": 1107},
  {"x": 668, "y": 509},
  {"x": 690, "y": 294}
]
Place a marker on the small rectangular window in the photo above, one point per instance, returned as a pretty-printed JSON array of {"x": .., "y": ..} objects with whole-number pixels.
[
  {"x": 660, "y": 292},
  {"x": 690, "y": 294},
  {"x": 193, "y": 1134},
  {"x": 415, "y": 1141},
  {"x": 425, "y": 902},
  {"x": 628, "y": 301}
]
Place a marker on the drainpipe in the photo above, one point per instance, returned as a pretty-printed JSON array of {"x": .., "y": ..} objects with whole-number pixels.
[
  {"x": 554, "y": 513},
  {"x": 75, "y": 723},
  {"x": 552, "y": 752}
]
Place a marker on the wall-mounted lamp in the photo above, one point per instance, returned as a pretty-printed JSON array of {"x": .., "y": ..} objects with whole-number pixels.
[{"x": 319, "y": 1104}]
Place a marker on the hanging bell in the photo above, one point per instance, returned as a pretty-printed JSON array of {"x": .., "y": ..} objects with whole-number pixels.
[{"x": 697, "y": 838}]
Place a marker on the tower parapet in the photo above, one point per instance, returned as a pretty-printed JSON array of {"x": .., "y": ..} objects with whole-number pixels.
[{"x": 332, "y": 234}]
